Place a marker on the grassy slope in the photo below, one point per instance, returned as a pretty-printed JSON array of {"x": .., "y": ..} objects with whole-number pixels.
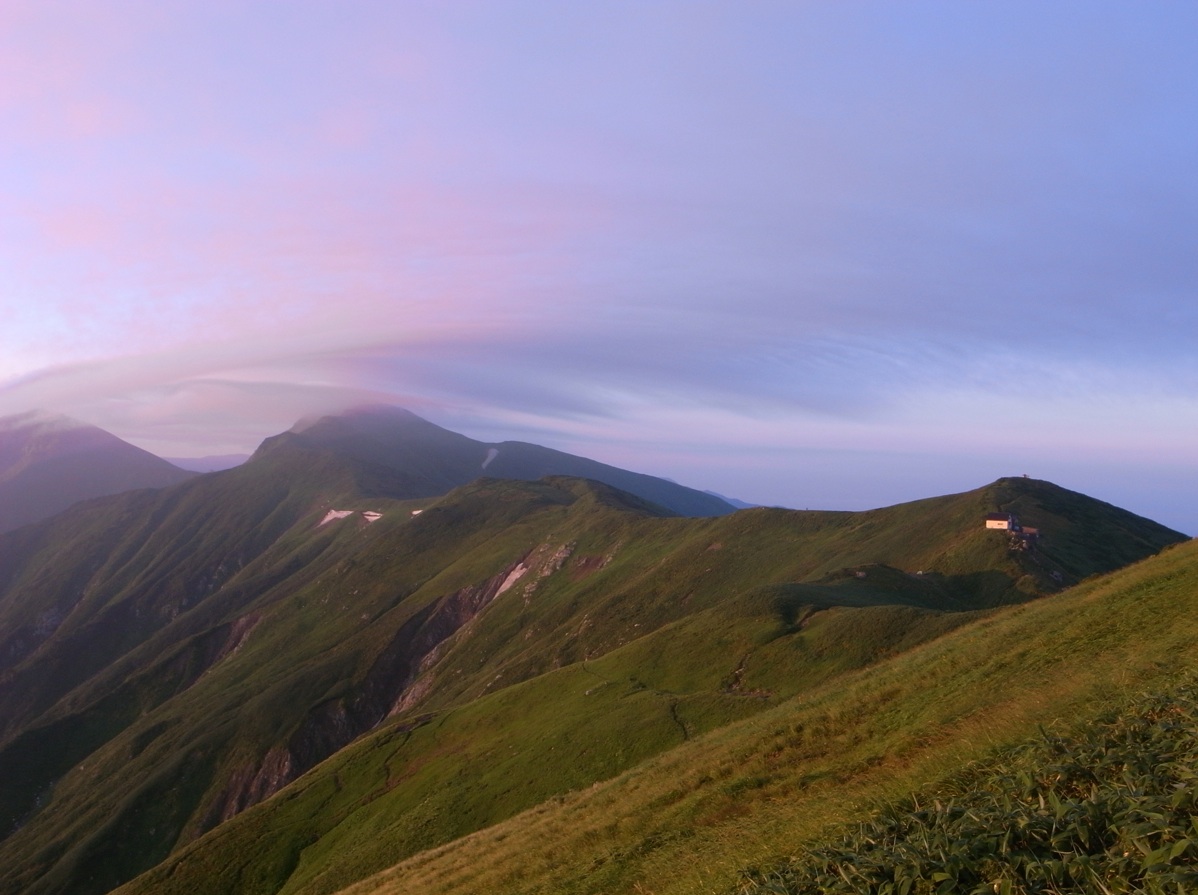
[
  {"x": 688, "y": 820},
  {"x": 685, "y": 625},
  {"x": 1107, "y": 807},
  {"x": 716, "y": 649},
  {"x": 309, "y": 647},
  {"x": 153, "y": 717},
  {"x": 108, "y": 575},
  {"x": 402, "y": 790}
]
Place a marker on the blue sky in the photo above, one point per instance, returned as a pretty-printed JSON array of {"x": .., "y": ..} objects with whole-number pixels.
[{"x": 833, "y": 255}]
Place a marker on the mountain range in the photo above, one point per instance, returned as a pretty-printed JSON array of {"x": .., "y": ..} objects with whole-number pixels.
[{"x": 378, "y": 645}]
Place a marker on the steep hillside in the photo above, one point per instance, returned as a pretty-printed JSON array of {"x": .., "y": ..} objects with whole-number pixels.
[
  {"x": 48, "y": 463},
  {"x": 1106, "y": 806},
  {"x": 82, "y": 590},
  {"x": 748, "y": 807},
  {"x": 173, "y": 660}
]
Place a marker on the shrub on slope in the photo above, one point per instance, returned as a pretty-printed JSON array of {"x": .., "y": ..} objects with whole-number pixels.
[{"x": 1110, "y": 809}]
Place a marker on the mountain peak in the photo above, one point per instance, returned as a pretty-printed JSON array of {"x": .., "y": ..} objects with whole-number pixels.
[
  {"x": 396, "y": 453},
  {"x": 360, "y": 413},
  {"x": 49, "y": 461}
]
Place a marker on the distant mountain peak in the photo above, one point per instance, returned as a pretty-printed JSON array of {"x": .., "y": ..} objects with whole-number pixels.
[
  {"x": 396, "y": 453},
  {"x": 49, "y": 461},
  {"x": 359, "y": 413},
  {"x": 393, "y": 411}
]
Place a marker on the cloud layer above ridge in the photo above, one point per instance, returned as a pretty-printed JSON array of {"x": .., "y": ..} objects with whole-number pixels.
[{"x": 642, "y": 227}]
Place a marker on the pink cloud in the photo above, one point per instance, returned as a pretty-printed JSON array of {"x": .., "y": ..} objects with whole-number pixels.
[{"x": 55, "y": 68}]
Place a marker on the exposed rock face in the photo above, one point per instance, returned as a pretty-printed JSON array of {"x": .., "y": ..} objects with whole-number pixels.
[
  {"x": 238, "y": 634},
  {"x": 394, "y": 683},
  {"x": 250, "y": 786}
]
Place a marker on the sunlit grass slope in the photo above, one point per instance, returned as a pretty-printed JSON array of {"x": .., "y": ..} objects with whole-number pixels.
[
  {"x": 1108, "y": 807},
  {"x": 754, "y": 791}
]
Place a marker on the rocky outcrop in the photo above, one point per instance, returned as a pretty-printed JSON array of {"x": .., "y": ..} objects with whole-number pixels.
[{"x": 393, "y": 683}]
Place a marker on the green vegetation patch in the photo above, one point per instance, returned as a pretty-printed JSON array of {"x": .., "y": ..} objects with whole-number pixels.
[{"x": 1111, "y": 809}]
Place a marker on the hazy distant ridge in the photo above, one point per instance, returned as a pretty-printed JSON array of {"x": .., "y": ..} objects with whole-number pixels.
[
  {"x": 210, "y": 463},
  {"x": 49, "y": 462}
]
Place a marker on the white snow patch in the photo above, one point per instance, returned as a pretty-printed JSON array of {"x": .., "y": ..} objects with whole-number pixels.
[
  {"x": 417, "y": 512},
  {"x": 492, "y": 453},
  {"x": 371, "y": 516},
  {"x": 513, "y": 576},
  {"x": 335, "y": 514}
]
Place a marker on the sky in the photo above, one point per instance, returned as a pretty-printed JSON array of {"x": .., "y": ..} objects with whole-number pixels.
[{"x": 832, "y": 255}]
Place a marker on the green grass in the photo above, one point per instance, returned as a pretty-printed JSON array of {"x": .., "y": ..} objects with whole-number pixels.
[
  {"x": 1112, "y": 808},
  {"x": 691, "y": 819},
  {"x": 630, "y": 639},
  {"x": 405, "y": 790}
]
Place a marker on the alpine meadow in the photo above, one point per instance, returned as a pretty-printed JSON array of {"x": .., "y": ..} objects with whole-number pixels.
[
  {"x": 353, "y": 662},
  {"x": 632, "y": 447}
]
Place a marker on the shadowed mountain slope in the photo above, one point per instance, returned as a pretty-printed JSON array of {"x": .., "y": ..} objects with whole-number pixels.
[
  {"x": 48, "y": 463},
  {"x": 401, "y": 455},
  {"x": 170, "y": 660}
]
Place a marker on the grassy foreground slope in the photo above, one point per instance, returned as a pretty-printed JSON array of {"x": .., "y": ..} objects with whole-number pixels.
[
  {"x": 751, "y": 792},
  {"x": 1109, "y": 807}
]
